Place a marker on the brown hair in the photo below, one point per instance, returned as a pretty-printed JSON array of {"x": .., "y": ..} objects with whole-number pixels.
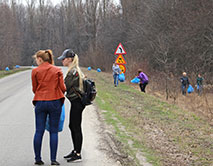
[{"x": 45, "y": 55}]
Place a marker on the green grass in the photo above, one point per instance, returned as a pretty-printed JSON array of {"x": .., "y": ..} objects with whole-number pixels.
[
  {"x": 4, "y": 73},
  {"x": 129, "y": 111},
  {"x": 113, "y": 118}
]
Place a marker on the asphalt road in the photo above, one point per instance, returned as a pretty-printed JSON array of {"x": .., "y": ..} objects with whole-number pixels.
[{"x": 17, "y": 128}]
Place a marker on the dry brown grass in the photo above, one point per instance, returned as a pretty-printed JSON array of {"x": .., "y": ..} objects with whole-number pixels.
[{"x": 202, "y": 105}]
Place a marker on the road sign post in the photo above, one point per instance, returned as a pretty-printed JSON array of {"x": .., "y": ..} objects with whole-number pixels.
[
  {"x": 120, "y": 50},
  {"x": 123, "y": 68},
  {"x": 120, "y": 59}
]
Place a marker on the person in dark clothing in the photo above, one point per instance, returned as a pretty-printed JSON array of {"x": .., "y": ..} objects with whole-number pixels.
[
  {"x": 199, "y": 84},
  {"x": 74, "y": 85},
  {"x": 184, "y": 83},
  {"x": 143, "y": 80}
]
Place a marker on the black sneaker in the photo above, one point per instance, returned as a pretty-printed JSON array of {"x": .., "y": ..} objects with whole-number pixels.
[
  {"x": 75, "y": 158},
  {"x": 70, "y": 155},
  {"x": 55, "y": 163},
  {"x": 39, "y": 163}
]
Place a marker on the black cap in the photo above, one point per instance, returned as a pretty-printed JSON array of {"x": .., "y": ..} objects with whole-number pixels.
[{"x": 68, "y": 53}]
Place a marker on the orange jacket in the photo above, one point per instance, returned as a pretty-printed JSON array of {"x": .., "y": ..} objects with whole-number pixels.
[{"x": 47, "y": 83}]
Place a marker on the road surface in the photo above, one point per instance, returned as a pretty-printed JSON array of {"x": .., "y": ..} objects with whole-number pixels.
[{"x": 17, "y": 128}]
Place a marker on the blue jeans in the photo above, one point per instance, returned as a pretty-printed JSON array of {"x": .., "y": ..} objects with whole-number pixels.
[
  {"x": 42, "y": 109},
  {"x": 115, "y": 76}
]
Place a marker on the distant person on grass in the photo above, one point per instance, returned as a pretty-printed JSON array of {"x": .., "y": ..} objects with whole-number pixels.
[
  {"x": 49, "y": 88},
  {"x": 116, "y": 71},
  {"x": 184, "y": 83},
  {"x": 143, "y": 80},
  {"x": 74, "y": 85},
  {"x": 199, "y": 84}
]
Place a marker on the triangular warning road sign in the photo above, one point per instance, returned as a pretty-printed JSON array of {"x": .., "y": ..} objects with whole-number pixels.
[
  {"x": 120, "y": 50},
  {"x": 120, "y": 60}
]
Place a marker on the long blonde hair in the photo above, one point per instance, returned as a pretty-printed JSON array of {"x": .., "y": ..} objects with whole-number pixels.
[
  {"x": 75, "y": 64},
  {"x": 45, "y": 55}
]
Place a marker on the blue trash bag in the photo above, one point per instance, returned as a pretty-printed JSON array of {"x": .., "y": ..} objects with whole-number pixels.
[
  {"x": 121, "y": 77},
  {"x": 61, "y": 122},
  {"x": 89, "y": 68},
  {"x": 98, "y": 70},
  {"x": 190, "y": 89},
  {"x": 7, "y": 68},
  {"x": 17, "y": 66},
  {"x": 135, "y": 80}
]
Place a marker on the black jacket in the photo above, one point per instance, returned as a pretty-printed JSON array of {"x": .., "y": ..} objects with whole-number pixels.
[
  {"x": 72, "y": 85},
  {"x": 184, "y": 81}
]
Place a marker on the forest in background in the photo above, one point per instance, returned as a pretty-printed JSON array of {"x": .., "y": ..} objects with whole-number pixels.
[{"x": 162, "y": 37}]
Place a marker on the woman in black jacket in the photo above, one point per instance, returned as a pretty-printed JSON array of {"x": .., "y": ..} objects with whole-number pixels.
[{"x": 74, "y": 85}]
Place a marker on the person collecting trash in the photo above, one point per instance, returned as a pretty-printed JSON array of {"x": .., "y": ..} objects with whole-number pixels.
[
  {"x": 143, "y": 80},
  {"x": 184, "y": 83},
  {"x": 48, "y": 88},
  {"x": 116, "y": 71},
  {"x": 199, "y": 84}
]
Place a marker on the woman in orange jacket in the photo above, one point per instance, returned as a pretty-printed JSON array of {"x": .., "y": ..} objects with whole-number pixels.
[{"x": 49, "y": 88}]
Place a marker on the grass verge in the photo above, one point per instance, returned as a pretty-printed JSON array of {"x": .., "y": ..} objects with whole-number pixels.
[
  {"x": 4, "y": 73},
  {"x": 147, "y": 126}
]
